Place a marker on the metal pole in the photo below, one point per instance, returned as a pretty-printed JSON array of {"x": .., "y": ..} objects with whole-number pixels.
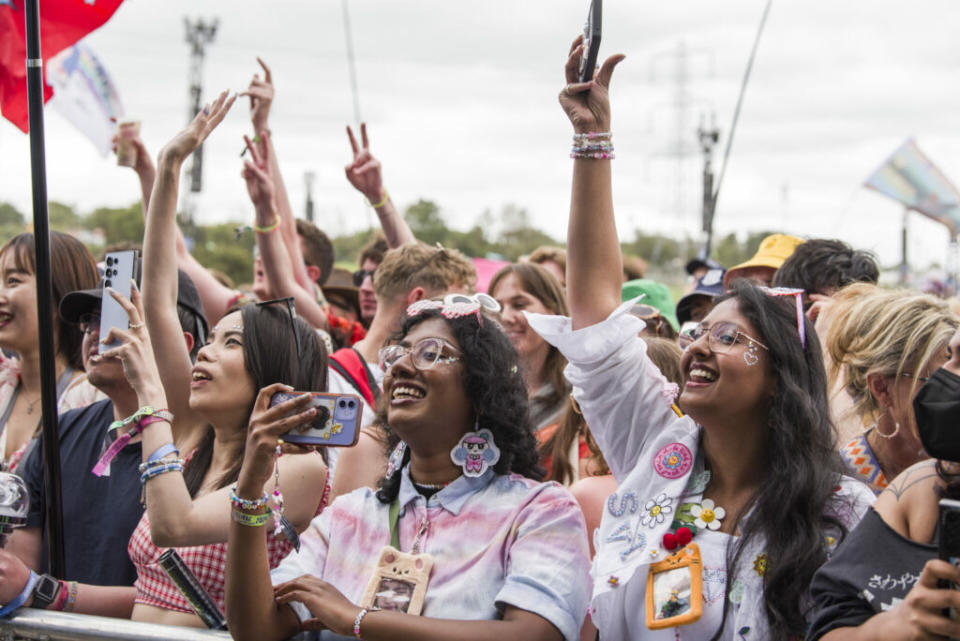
[
  {"x": 351, "y": 65},
  {"x": 41, "y": 235}
]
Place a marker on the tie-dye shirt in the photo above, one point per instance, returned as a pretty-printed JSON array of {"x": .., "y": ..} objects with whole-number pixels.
[{"x": 496, "y": 540}]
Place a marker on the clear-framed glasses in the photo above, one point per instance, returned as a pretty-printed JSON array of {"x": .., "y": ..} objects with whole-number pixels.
[
  {"x": 291, "y": 312},
  {"x": 722, "y": 337},
  {"x": 425, "y": 354},
  {"x": 920, "y": 379},
  {"x": 89, "y": 323}
]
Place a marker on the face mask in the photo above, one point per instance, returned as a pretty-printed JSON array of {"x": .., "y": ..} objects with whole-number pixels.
[{"x": 937, "y": 408}]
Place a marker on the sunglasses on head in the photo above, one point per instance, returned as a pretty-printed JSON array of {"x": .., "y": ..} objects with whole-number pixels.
[{"x": 291, "y": 312}]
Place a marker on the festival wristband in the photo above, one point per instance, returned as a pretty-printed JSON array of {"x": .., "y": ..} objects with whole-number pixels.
[
  {"x": 138, "y": 419},
  {"x": 22, "y": 597},
  {"x": 163, "y": 450},
  {"x": 386, "y": 197},
  {"x": 251, "y": 520},
  {"x": 268, "y": 228},
  {"x": 61, "y": 601}
]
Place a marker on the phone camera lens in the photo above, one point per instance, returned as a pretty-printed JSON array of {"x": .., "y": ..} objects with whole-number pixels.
[
  {"x": 342, "y": 403},
  {"x": 109, "y": 260},
  {"x": 107, "y": 283},
  {"x": 351, "y": 404}
]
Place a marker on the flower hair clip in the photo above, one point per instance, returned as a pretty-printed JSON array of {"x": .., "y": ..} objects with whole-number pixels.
[{"x": 457, "y": 306}]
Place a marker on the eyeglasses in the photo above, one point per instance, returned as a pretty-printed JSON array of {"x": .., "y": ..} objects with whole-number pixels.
[
  {"x": 89, "y": 323},
  {"x": 921, "y": 379},
  {"x": 291, "y": 312},
  {"x": 361, "y": 275},
  {"x": 722, "y": 336},
  {"x": 425, "y": 354},
  {"x": 648, "y": 313}
]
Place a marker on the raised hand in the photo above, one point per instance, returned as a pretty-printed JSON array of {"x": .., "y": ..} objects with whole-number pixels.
[
  {"x": 187, "y": 141},
  {"x": 261, "y": 94},
  {"x": 364, "y": 172},
  {"x": 256, "y": 172},
  {"x": 587, "y": 104},
  {"x": 135, "y": 351}
]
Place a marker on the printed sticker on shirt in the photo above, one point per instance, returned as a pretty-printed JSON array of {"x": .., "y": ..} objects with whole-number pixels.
[{"x": 673, "y": 461}]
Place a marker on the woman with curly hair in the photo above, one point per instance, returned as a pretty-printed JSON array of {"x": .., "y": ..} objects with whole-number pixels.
[
  {"x": 508, "y": 553},
  {"x": 732, "y": 495}
]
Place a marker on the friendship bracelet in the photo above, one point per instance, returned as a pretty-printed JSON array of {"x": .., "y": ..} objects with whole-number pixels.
[
  {"x": 246, "y": 504},
  {"x": 157, "y": 471},
  {"x": 269, "y": 228},
  {"x": 251, "y": 520},
  {"x": 163, "y": 450},
  {"x": 150, "y": 465},
  {"x": 356, "y": 622},
  {"x": 73, "y": 586},
  {"x": 596, "y": 155},
  {"x": 590, "y": 135},
  {"x": 386, "y": 197}
]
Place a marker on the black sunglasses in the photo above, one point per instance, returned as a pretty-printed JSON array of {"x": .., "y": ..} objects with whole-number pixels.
[
  {"x": 361, "y": 275},
  {"x": 291, "y": 312}
]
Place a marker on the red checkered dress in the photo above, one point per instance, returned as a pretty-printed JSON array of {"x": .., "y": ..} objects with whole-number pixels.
[{"x": 207, "y": 562}]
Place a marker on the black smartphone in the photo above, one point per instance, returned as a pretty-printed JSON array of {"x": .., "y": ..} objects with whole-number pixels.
[
  {"x": 591, "y": 41},
  {"x": 120, "y": 268},
  {"x": 948, "y": 543}
]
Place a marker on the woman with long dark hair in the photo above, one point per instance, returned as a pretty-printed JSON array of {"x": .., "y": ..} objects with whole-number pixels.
[
  {"x": 72, "y": 268},
  {"x": 724, "y": 499},
  {"x": 508, "y": 554}
]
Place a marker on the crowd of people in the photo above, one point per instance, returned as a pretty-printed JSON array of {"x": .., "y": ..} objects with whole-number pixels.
[{"x": 568, "y": 454}]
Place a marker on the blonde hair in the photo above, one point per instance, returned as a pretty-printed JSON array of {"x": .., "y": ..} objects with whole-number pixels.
[
  {"x": 889, "y": 332},
  {"x": 548, "y": 253},
  {"x": 436, "y": 269}
]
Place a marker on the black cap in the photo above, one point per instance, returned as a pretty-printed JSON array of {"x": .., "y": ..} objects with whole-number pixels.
[{"x": 75, "y": 305}]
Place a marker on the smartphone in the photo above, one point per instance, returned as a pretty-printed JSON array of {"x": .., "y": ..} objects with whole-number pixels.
[
  {"x": 337, "y": 423},
  {"x": 949, "y": 543},
  {"x": 120, "y": 268},
  {"x": 591, "y": 41}
]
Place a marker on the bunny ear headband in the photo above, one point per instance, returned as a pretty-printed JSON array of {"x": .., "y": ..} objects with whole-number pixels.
[{"x": 456, "y": 306}]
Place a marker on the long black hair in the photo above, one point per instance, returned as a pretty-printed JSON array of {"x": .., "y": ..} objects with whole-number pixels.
[
  {"x": 492, "y": 379},
  {"x": 270, "y": 356},
  {"x": 794, "y": 505}
]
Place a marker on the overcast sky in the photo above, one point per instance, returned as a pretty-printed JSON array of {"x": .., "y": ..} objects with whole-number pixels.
[{"x": 460, "y": 98}]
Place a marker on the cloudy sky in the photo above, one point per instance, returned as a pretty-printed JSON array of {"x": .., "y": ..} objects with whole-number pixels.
[{"x": 460, "y": 98}]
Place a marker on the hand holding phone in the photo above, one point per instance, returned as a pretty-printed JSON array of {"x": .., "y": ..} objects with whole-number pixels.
[
  {"x": 337, "y": 423},
  {"x": 591, "y": 41},
  {"x": 121, "y": 268}
]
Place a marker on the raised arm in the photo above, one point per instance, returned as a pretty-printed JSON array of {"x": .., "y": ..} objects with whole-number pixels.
[
  {"x": 261, "y": 94},
  {"x": 214, "y": 296},
  {"x": 594, "y": 265},
  {"x": 364, "y": 173},
  {"x": 160, "y": 258},
  {"x": 273, "y": 251}
]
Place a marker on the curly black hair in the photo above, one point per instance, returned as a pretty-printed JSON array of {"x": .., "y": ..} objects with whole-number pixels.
[
  {"x": 491, "y": 376},
  {"x": 796, "y": 502},
  {"x": 822, "y": 266}
]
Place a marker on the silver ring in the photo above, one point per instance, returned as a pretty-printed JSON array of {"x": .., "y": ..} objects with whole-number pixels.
[{"x": 137, "y": 326}]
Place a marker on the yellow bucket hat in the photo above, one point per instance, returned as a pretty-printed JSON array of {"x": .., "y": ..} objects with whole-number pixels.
[{"x": 773, "y": 251}]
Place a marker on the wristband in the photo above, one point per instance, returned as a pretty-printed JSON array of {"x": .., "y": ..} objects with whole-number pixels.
[
  {"x": 268, "y": 228},
  {"x": 246, "y": 504},
  {"x": 251, "y": 520},
  {"x": 156, "y": 417},
  {"x": 103, "y": 465},
  {"x": 163, "y": 450},
  {"x": 61, "y": 600},
  {"x": 22, "y": 597},
  {"x": 73, "y": 586},
  {"x": 386, "y": 197}
]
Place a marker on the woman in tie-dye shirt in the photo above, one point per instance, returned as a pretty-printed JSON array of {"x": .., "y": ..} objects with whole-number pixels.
[{"x": 509, "y": 553}]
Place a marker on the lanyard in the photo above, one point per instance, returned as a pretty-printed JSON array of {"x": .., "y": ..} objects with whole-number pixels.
[{"x": 395, "y": 530}]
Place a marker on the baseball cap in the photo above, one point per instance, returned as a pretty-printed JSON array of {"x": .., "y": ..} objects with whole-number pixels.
[
  {"x": 710, "y": 284},
  {"x": 656, "y": 294},
  {"x": 74, "y": 305}
]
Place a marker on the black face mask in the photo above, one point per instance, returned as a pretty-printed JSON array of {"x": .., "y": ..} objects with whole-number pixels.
[{"x": 937, "y": 408}]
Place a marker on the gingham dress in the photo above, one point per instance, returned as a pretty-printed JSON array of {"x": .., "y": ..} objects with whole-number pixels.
[{"x": 207, "y": 562}]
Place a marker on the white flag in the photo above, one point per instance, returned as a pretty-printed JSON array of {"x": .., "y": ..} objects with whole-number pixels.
[{"x": 84, "y": 94}]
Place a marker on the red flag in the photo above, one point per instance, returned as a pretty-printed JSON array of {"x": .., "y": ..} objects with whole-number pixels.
[{"x": 62, "y": 23}]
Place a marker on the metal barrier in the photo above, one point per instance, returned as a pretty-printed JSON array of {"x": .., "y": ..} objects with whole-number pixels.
[{"x": 43, "y": 625}]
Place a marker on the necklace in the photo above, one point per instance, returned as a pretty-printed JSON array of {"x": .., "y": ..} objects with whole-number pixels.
[{"x": 31, "y": 404}]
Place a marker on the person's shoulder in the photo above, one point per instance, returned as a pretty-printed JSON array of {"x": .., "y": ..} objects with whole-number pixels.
[
  {"x": 98, "y": 412},
  {"x": 908, "y": 503},
  {"x": 526, "y": 491}
]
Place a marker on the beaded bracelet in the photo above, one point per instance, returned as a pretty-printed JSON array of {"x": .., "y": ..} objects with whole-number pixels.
[
  {"x": 356, "y": 622},
  {"x": 595, "y": 145},
  {"x": 386, "y": 197},
  {"x": 251, "y": 520},
  {"x": 599, "y": 155},
  {"x": 268, "y": 228},
  {"x": 246, "y": 504},
  {"x": 73, "y": 586},
  {"x": 590, "y": 135},
  {"x": 151, "y": 465},
  {"x": 175, "y": 466}
]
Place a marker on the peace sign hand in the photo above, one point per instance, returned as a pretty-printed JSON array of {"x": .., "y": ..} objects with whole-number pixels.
[
  {"x": 261, "y": 93},
  {"x": 364, "y": 172},
  {"x": 587, "y": 103},
  {"x": 187, "y": 141}
]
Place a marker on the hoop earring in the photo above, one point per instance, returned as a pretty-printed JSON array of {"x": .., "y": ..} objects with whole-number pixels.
[
  {"x": 750, "y": 357},
  {"x": 875, "y": 427}
]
